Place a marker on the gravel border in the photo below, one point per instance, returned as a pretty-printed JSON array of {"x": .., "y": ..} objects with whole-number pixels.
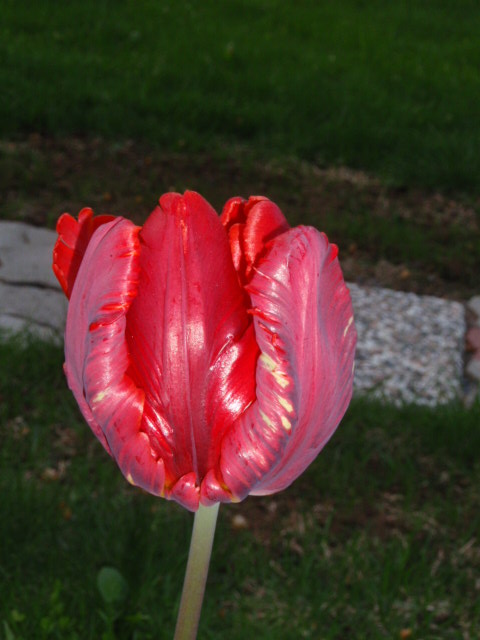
[{"x": 410, "y": 347}]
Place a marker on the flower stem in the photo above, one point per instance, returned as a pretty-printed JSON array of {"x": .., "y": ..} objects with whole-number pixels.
[{"x": 196, "y": 573}]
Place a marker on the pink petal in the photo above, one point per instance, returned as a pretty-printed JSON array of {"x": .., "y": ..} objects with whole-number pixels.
[
  {"x": 251, "y": 226},
  {"x": 264, "y": 222},
  {"x": 97, "y": 358},
  {"x": 72, "y": 242},
  {"x": 233, "y": 212},
  {"x": 304, "y": 328},
  {"x": 192, "y": 344}
]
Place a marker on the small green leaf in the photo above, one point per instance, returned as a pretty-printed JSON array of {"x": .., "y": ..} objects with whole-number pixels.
[
  {"x": 17, "y": 616},
  {"x": 112, "y": 585},
  {"x": 8, "y": 632}
]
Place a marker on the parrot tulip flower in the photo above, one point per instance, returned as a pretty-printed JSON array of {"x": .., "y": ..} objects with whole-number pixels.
[{"x": 211, "y": 356}]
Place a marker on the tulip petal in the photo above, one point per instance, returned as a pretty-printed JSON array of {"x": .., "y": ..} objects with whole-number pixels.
[
  {"x": 72, "y": 242},
  {"x": 186, "y": 492},
  {"x": 304, "y": 328},
  {"x": 250, "y": 226},
  {"x": 96, "y": 353},
  {"x": 264, "y": 222},
  {"x": 192, "y": 343}
]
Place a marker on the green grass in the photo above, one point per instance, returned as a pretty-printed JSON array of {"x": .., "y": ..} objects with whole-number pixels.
[
  {"x": 379, "y": 536},
  {"x": 390, "y": 87}
]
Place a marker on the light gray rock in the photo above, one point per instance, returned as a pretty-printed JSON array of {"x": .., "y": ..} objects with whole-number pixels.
[
  {"x": 40, "y": 306},
  {"x": 473, "y": 369},
  {"x": 474, "y": 305},
  {"x": 11, "y": 325},
  {"x": 26, "y": 254},
  {"x": 410, "y": 348}
]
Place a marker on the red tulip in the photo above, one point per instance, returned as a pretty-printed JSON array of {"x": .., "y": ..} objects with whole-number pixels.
[{"x": 211, "y": 356}]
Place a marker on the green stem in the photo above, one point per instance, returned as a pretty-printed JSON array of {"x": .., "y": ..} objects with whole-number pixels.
[{"x": 197, "y": 571}]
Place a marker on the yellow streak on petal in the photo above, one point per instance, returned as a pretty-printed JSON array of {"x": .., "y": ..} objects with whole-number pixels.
[
  {"x": 286, "y": 404},
  {"x": 281, "y": 378},
  {"x": 270, "y": 364},
  {"x": 265, "y": 418},
  {"x": 130, "y": 479},
  {"x": 99, "y": 397},
  {"x": 349, "y": 324},
  {"x": 286, "y": 423}
]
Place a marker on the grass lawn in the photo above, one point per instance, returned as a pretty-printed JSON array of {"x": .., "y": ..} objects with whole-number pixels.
[
  {"x": 388, "y": 87},
  {"x": 111, "y": 103},
  {"x": 379, "y": 539}
]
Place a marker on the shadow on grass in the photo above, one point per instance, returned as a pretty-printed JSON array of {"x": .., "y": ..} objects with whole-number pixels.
[{"x": 376, "y": 539}]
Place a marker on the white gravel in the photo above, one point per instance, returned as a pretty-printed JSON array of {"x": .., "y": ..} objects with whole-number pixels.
[{"x": 410, "y": 348}]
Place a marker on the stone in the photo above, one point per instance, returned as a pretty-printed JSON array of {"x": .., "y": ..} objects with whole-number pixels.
[
  {"x": 26, "y": 254},
  {"x": 410, "y": 347},
  {"x": 239, "y": 522},
  {"x": 473, "y": 339},
  {"x": 21, "y": 306},
  {"x": 473, "y": 369},
  {"x": 9, "y": 325},
  {"x": 474, "y": 306}
]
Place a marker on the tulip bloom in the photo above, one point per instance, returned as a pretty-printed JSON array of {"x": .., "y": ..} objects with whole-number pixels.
[{"x": 211, "y": 356}]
